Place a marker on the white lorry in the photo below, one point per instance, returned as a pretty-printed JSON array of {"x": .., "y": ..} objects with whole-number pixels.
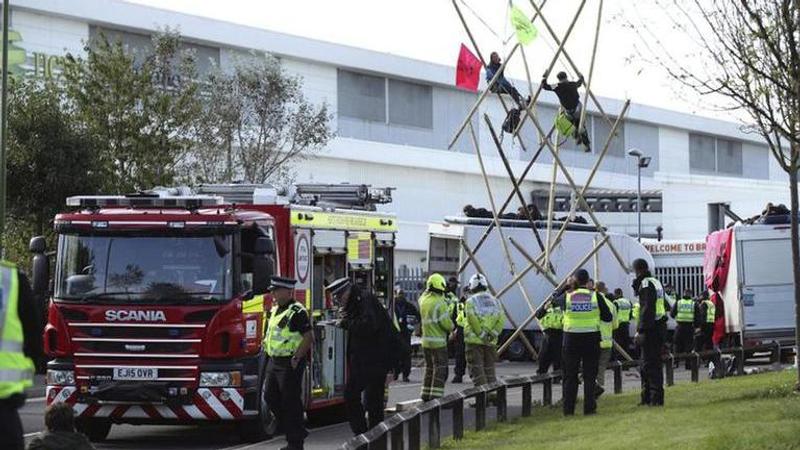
[
  {"x": 758, "y": 289},
  {"x": 445, "y": 256}
]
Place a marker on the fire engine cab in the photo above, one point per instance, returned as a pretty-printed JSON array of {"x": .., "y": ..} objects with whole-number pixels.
[{"x": 152, "y": 317}]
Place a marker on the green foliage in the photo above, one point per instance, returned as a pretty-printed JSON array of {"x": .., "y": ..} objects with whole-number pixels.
[
  {"x": 758, "y": 411},
  {"x": 141, "y": 113},
  {"x": 50, "y": 156}
]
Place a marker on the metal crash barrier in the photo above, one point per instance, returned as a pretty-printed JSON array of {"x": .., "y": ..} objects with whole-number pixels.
[{"x": 403, "y": 430}]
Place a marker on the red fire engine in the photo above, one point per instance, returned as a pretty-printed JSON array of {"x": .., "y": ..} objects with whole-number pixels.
[{"x": 146, "y": 322}]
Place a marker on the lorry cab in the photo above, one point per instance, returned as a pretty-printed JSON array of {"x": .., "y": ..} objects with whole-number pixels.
[{"x": 159, "y": 301}]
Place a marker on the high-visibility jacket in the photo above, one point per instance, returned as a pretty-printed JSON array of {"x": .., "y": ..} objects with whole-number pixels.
[
  {"x": 624, "y": 309},
  {"x": 256, "y": 306},
  {"x": 436, "y": 322},
  {"x": 482, "y": 319},
  {"x": 661, "y": 302},
  {"x": 280, "y": 340},
  {"x": 685, "y": 309},
  {"x": 581, "y": 313},
  {"x": 452, "y": 303},
  {"x": 553, "y": 319},
  {"x": 16, "y": 370},
  {"x": 635, "y": 313},
  {"x": 711, "y": 311},
  {"x": 607, "y": 328}
]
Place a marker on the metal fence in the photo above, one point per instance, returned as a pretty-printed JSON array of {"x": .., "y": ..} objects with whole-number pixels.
[
  {"x": 411, "y": 280},
  {"x": 403, "y": 430},
  {"x": 682, "y": 277}
]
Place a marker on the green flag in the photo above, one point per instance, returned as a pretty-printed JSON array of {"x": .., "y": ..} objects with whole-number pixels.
[{"x": 526, "y": 32}]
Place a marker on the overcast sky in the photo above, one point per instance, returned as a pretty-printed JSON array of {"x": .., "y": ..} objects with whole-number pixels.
[{"x": 430, "y": 30}]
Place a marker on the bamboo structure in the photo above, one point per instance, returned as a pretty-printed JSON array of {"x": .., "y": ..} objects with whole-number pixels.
[{"x": 541, "y": 263}]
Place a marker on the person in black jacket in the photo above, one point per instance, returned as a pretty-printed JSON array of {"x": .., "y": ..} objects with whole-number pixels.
[
  {"x": 651, "y": 332},
  {"x": 30, "y": 316},
  {"x": 371, "y": 352},
  {"x": 408, "y": 319},
  {"x": 567, "y": 93}
]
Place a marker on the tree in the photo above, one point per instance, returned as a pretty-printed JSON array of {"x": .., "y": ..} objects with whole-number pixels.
[
  {"x": 142, "y": 113},
  {"x": 50, "y": 157},
  {"x": 748, "y": 53},
  {"x": 257, "y": 124}
]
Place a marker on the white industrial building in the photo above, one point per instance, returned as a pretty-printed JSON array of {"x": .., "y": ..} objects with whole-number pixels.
[{"x": 394, "y": 117}]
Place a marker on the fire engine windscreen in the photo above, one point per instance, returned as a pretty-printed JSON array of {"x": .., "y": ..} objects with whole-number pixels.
[{"x": 146, "y": 269}]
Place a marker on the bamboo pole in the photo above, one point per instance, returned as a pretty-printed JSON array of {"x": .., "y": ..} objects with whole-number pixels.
[
  {"x": 514, "y": 182},
  {"x": 592, "y": 173},
  {"x": 534, "y": 97},
  {"x": 511, "y": 195},
  {"x": 496, "y": 219},
  {"x": 496, "y": 76},
  {"x": 591, "y": 66},
  {"x": 550, "y": 200},
  {"x": 572, "y": 64},
  {"x": 532, "y": 264},
  {"x": 471, "y": 258},
  {"x": 582, "y": 200},
  {"x": 550, "y": 297}
]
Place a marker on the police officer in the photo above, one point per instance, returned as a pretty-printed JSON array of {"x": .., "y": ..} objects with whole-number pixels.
[
  {"x": 583, "y": 312},
  {"x": 551, "y": 321},
  {"x": 707, "y": 312},
  {"x": 683, "y": 311},
  {"x": 436, "y": 326},
  {"x": 624, "y": 316},
  {"x": 483, "y": 320},
  {"x": 607, "y": 330},
  {"x": 288, "y": 340},
  {"x": 20, "y": 348},
  {"x": 651, "y": 332},
  {"x": 456, "y": 305},
  {"x": 371, "y": 352}
]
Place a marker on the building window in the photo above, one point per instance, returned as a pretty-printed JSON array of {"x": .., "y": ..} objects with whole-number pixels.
[
  {"x": 601, "y": 131},
  {"x": 715, "y": 155},
  {"x": 729, "y": 157},
  {"x": 410, "y": 104},
  {"x": 361, "y": 96}
]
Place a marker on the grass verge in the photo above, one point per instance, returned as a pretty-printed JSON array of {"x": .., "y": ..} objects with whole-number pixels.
[{"x": 752, "y": 412}]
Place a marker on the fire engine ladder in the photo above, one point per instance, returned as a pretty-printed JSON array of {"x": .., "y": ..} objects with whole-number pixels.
[{"x": 349, "y": 196}]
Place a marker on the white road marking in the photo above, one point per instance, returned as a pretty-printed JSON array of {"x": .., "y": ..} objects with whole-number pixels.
[{"x": 37, "y": 399}]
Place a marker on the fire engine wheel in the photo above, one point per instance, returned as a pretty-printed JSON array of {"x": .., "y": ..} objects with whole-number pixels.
[
  {"x": 261, "y": 427},
  {"x": 95, "y": 429}
]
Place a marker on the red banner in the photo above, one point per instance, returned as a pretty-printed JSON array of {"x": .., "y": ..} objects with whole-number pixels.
[
  {"x": 468, "y": 70},
  {"x": 717, "y": 258}
]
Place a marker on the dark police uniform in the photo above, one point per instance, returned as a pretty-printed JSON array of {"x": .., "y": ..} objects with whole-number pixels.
[
  {"x": 285, "y": 330},
  {"x": 653, "y": 326},
  {"x": 583, "y": 309}
]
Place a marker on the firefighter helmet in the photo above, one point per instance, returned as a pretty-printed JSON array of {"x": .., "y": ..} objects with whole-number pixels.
[{"x": 436, "y": 282}]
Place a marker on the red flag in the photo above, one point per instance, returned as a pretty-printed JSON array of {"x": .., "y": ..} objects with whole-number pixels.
[{"x": 468, "y": 70}]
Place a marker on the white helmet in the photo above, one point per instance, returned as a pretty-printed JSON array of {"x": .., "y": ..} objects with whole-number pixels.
[{"x": 478, "y": 280}]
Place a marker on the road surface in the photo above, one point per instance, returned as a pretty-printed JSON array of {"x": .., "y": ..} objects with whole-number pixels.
[{"x": 321, "y": 437}]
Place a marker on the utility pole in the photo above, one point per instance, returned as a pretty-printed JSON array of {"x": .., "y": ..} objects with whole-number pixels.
[{"x": 4, "y": 127}]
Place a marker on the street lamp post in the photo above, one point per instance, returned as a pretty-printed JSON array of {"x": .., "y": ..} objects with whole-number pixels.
[{"x": 641, "y": 162}]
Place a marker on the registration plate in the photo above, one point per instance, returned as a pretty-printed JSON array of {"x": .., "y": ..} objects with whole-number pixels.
[{"x": 135, "y": 373}]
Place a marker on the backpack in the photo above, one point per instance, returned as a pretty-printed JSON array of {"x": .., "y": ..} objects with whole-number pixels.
[{"x": 512, "y": 121}]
